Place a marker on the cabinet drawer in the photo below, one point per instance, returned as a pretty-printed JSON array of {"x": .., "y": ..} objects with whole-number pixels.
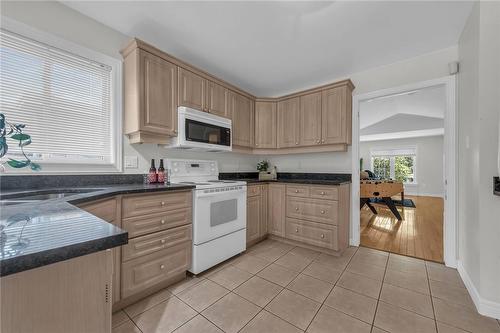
[
  {"x": 144, "y": 272},
  {"x": 312, "y": 233},
  {"x": 297, "y": 191},
  {"x": 137, "y": 226},
  {"x": 105, "y": 209},
  {"x": 253, "y": 190},
  {"x": 324, "y": 192},
  {"x": 139, "y": 205},
  {"x": 324, "y": 211},
  {"x": 144, "y": 245}
]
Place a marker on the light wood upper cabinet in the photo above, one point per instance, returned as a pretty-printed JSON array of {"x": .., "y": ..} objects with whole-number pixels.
[
  {"x": 242, "y": 114},
  {"x": 191, "y": 90},
  {"x": 217, "y": 99},
  {"x": 276, "y": 209},
  {"x": 336, "y": 116},
  {"x": 150, "y": 97},
  {"x": 265, "y": 124},
  {"x": 254, "y": 215},
  {"x": 288, "y": 122},
  {"x": 310, "y": 119}
]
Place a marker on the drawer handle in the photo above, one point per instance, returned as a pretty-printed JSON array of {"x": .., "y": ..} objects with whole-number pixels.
[
  {"x": 296, "y": 208},
  {"x": 162, "y": 266},
  {"x": 162, "y": 221},
  {"x": 296, "y": 229},
  {"x": 296, "y": 191},
  {"x": 163, "y": 241},
  {"x": 322, "y": 212},
  {"x": 322, "y": 193},
  {"x": 163, "y": 203},
  {"x": 322, "y": 235}
]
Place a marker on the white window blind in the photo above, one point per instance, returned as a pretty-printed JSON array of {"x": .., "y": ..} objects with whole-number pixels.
[{"x": 63, "y": 99}]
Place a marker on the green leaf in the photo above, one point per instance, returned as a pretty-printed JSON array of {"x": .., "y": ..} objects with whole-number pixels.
[
  {"x": 20, "y": 137},
  {"x": 35, "y": 166},
  {"x": 18, "y": 164},
  {"x": 4, "y": 147},
  {"x": 24, "y": 143}
]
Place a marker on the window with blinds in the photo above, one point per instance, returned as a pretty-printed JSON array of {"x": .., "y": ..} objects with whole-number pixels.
[{"x": 63, "y": 99}]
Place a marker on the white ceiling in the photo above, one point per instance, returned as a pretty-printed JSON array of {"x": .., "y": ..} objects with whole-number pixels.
[
  {"x": 408, "y": 114},
  {"x": 273, "y": 48}
]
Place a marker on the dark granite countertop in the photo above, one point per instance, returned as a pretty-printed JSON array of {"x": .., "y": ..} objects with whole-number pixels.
[
  {"x": 292, "y": 177},
  {"x": 297, "y": 181},
  {"x": 48, "y": 231}
]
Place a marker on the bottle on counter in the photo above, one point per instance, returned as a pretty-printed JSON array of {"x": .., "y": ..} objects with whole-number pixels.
[
  {"x": 161, "y": 173},
  {"x": 274, "y": 173},
  {"x": 152, "y": 177}
]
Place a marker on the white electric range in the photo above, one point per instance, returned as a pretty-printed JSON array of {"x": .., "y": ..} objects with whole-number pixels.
[{"x": 219, "y": 212}]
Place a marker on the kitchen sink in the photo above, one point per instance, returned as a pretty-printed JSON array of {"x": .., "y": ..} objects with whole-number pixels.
[{"x": 40, "y": 195}]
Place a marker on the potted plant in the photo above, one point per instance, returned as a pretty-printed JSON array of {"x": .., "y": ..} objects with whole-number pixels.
[
  {"x": 14, "y": 132},
  {"x": 263, "y": 168}
]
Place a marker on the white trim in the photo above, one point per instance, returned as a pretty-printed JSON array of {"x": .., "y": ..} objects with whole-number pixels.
[
  {"x": 450, "y": 223},
  {"x": 402, "y": 135},
  {"x": 116, "y": 103},
  {"x": 483, "y": 306}
]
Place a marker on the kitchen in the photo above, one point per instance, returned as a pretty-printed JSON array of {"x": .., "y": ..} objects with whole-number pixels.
[{"x": 215, "y": 245}]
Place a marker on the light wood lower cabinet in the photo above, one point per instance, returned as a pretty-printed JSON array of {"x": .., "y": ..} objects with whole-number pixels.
[
  {"x": 277, "y": 204},
  {"x": 314, "y": 215}
]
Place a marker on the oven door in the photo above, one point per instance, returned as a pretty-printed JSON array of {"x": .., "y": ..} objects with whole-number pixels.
[{"x": 218, "y": 212}]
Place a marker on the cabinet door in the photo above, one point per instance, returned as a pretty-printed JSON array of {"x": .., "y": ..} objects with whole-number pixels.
[
  {"x": 310, "y": 119},
  {"x": 276, "y": 209},
  {"x": 288, "y": 122},
  {"x": 242, "y": 114},
  {"x": 217, "y": 99},
  {"x": 335, "y": 117},
  {"x": 160, "y": 91},
  {"x": 253, "y": 218},
  {"x": 265, "y": 125},
  {"x": 191, "y": 90},
  {"x": 264, "y": 205}
]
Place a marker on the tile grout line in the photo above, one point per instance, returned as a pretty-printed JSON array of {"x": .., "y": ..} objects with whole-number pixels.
[
  {"x": 348, "y": 262},
  {"x": 379, "y": 294}
]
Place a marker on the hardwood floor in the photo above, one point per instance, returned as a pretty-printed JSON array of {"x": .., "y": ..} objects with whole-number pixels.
[{"x": 420, "y": 234}]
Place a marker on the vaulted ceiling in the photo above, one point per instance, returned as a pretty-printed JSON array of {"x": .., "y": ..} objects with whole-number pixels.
[{"x": 273, "y": 48}]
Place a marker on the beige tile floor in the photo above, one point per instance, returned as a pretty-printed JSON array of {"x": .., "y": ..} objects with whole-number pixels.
[{"x": 275, "y": 287}]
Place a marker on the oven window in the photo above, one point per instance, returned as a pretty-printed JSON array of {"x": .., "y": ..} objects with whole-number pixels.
[
  {"x": 207, "y": 133},
  {"x": 223, "y": 212}
]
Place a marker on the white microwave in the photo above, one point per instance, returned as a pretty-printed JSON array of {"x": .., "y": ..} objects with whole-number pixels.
[{"x": 198, "y": 130}]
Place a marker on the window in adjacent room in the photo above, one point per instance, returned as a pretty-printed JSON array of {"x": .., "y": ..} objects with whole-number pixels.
[
  {"x": 398, "y": 164},
  {"x": 67, "y": 100}
]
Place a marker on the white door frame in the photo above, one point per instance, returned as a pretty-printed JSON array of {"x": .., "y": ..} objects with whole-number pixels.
[{"x": 450, "y": 162}]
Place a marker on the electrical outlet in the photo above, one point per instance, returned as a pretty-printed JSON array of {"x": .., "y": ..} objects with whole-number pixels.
[{"x": 131, "y": 162}]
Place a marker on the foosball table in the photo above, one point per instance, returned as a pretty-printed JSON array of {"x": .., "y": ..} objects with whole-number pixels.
[{"x": 383, "y": 189}]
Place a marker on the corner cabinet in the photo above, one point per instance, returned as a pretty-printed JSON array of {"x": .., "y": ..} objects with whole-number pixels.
[
  {"x": 265, "y": 124},
  {"x": 288, "y": 122},
  {"x": 150, "y": 97},
  {"x": 242, "y": 115}
]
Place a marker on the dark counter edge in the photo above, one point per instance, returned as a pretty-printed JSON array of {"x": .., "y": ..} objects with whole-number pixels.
[
  {"x": 52, "y": 256},
  {"x": 34, "y": 260},
  {"x": 291, "y": 177}
]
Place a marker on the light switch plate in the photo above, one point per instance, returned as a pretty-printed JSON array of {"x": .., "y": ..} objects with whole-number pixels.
[{"x": 131, "y": 162}]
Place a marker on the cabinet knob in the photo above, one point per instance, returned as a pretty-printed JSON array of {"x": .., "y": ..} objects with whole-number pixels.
[
  {"x": 322, "y": 193},
  {"x": 322, "y": 235},
  {"x": 322, "y": 212},
  {"x": 296, "y": 208},
  {"x": 162, "y": 266},
  {"x": 296, "y": 143},
  {"x": 296, "y": 191},
  {"x": 296, "y": 229},
  {"x": 323, "y": 140},
  {"x": 317, "y": 141},
  {"x": 163, "y": 241},
  {"x": 256, "y": 144},
  {"x": 162, "y": 221},
  {"x": 163, "y": 203}
]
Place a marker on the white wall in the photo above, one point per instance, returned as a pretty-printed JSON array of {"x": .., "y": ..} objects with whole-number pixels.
[
  {"x": 478, "y": 118},
  {"x": 429, "y": 162}
]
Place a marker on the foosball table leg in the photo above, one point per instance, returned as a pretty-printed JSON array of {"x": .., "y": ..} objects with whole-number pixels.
[{"x": 388, "y": 201}]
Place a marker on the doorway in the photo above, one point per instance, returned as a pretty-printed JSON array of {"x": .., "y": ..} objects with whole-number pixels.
[{"x": 404, "y": 138}]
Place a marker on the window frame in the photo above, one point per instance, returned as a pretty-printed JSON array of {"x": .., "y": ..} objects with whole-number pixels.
[
  {"x": 116, "y": 140},
  {"x": 391, "y": 155}
]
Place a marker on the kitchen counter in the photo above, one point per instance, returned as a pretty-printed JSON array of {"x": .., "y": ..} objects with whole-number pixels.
[
  {"x": 48, "y": 231},
  {"x": 292, "y": 177}
]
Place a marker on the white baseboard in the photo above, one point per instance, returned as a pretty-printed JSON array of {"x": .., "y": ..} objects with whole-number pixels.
[
  {"x": 421, "y": 194},
  {"x": 483, "y": 306}
]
